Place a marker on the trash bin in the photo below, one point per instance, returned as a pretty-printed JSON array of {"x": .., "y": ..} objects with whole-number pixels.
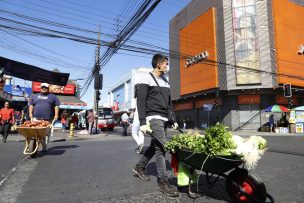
[{"x": 292, "y": 128}]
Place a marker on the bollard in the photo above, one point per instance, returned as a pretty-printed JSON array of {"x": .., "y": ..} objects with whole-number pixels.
[{"x": 71, "y": 130}]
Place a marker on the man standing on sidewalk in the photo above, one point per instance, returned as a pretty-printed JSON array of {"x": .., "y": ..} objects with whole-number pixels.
[
  {"x": 155, "y": 110},
  {"x": 44, "y": 106},
  {"x": 7, "y": 119},
  {"x": 91, "y": 119}
]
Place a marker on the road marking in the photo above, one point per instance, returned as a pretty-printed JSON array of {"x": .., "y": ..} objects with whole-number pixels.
[{"x": 11, "y": 186}]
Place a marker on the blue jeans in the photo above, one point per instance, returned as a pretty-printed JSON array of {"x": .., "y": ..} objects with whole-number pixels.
[{"x": 159, "y": 129}]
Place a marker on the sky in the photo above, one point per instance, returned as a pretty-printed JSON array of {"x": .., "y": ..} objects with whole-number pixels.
[{"x": 74, "y": 57}]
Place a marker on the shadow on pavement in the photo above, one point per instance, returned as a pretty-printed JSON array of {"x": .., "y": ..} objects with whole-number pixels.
[
  {"x": 56, "y": 150},
  {"x": 63, "y": 147},
  {"x": 215, "y": 191},
  {"x": 151, "y": 168},
  {"x": 203, "y": 188}
]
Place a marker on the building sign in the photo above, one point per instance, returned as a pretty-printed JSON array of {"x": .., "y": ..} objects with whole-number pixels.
[
  {"x": 207, "y": 107},
  {"x": 215, "y": 101},
  {"x": 300, "y": 116},
  {"x": 249, "y": 99},
  {"x": 56, "y": 89},
  {"x": 299, "y": 128},
  {"x": 72, "y": 107},
  {"x": 16, "y": 90},
  {"x": 301, "y": 49},
  {"x": 280, "y": 99},
  {"x": 183, "y": 106},
  {"x": 196, "y": 59}
]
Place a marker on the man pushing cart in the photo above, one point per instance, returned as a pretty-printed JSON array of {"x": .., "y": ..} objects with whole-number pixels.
[{"x": 44, "y": 106}]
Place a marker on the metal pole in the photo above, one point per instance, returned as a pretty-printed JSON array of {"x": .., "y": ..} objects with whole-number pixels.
[{"x": 96, "y": 74}]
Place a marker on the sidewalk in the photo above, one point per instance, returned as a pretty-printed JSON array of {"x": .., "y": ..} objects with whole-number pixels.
[
  {"x": 59, "y": 136},
  {"x": 248, "y": 132},
  {"x": 252, "y": 132}
]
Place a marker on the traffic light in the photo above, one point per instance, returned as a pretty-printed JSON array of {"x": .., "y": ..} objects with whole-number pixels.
[
  {"x": 98, "y": 82},
  {"x": 97, "y": 95},
  {"x": 287, "y": 90},
  {"x": 290, "y": 102}
]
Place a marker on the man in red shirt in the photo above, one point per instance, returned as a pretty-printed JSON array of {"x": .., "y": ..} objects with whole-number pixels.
[{"x": 7, "y": 119}]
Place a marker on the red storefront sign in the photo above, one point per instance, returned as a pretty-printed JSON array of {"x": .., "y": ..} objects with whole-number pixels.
[
  {"x": 280, "y": 99},
  {"x": 183, "y": 106},
  {"x": 56, "y": 89},
  {"x": 249, "y": 99}
]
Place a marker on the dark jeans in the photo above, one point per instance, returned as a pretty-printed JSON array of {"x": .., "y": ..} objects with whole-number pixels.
[
  {"x": 159, "y": 129},
  {"x": 124, "y": 128},
  {"x": 4, "y": 129}
]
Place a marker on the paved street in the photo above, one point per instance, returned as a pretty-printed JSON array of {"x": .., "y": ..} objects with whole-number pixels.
[{"x": 98, "y": 169}]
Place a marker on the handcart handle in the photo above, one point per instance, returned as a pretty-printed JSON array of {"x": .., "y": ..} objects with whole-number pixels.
[
  {"x": 180, "y": 130},
  {"x": 52, "y": 124},
  {"x": 160, "y": 141},
  {"x": 152, "y": 135}
]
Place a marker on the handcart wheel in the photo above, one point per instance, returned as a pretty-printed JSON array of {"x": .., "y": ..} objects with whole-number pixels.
[{"x": 245, "y": 187}]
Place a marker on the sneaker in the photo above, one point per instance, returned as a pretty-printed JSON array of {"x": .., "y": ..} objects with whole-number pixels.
[
  {"x": 140, "y": 147},
  {"x": 137, "y": 150},
  {"x": 168, "y": 189},
  {"x": 140, "y": 172}
]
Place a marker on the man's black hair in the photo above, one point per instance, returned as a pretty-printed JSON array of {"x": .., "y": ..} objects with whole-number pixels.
[{"x": 158, "y": 58}]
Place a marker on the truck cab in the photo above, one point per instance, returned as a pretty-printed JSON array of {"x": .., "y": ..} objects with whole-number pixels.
[{"x": 105, "y": 118}]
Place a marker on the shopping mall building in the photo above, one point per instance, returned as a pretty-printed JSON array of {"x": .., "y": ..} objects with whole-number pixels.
[{"x": 230, "y": 58}]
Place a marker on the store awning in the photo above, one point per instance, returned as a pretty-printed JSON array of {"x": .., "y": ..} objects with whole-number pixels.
[
  {"x": 71, "y": 102},
  {"x": 22, "y": 70}
]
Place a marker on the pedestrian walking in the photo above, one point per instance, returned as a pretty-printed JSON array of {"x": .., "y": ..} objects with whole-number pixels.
[
  {"x": 44, "y": 106},
  {"x": 7, "y": 119},
  {"x": 25, "y": 116},
  {"x": 64, "y": 120},
  {"x": 74, "y": 120},
  {"x": 124, "y": 123},
  {"x": 136, "y": 133},
  {"x": 184, "y": 124},
  {"x": 155, "y": 112},
  {"x": 271, "y": 123},
  {"x": 91, "y": 119}
]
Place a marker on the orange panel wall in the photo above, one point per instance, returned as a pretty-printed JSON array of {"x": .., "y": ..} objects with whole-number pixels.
[
  {"x": 288, "y": 27},
  {"x": 196, "y": 37}
]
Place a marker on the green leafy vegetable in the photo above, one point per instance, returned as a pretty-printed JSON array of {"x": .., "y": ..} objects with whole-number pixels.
[{"x": 216, "y": 141}]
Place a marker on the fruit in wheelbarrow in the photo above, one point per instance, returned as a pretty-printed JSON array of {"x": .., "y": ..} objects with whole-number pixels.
[{"x": 37, "y": 123}]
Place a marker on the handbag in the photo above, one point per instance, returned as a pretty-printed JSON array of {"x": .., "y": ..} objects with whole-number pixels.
[{"x": 171, "y": 117}]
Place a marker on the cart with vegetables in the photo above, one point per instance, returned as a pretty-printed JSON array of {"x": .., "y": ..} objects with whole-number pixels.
[
  {"x": 34, "y": 130},
  {"x": 219, "y": 154}
]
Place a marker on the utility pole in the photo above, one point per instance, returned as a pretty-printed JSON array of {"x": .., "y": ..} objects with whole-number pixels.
[{"x": 96, "y": 78}]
